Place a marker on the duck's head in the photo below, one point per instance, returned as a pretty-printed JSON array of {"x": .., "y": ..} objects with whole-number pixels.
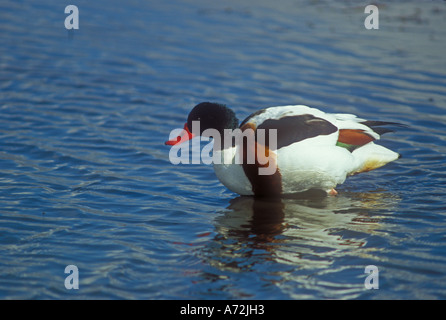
[{"x": 211, "y": 116}]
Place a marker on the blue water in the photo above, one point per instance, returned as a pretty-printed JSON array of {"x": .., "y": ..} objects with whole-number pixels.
[{"x": 85, "y": 177}]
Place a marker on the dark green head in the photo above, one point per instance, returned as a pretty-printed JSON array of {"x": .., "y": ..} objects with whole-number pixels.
[{"x": 212, "y": 116}]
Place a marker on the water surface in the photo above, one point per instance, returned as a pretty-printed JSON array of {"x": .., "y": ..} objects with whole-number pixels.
[{"x": 85, "y": 178}]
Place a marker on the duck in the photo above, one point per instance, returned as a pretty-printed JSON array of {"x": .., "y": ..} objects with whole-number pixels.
[{"x": 299, "y": 148}]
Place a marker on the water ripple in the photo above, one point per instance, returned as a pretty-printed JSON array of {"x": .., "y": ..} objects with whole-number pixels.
[{"x": 85, "y": 178}]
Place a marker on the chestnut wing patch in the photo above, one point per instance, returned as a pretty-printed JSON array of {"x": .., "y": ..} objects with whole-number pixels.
[
  {"x": 293, "y": 129},
  {"x": 352, "y": 139}
]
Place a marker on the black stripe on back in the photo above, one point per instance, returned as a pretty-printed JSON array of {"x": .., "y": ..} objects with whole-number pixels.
[{"x": 293, "y": 129}]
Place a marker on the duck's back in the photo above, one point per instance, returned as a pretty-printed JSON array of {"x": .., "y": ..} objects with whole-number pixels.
[{"x": 312, "y": 150}]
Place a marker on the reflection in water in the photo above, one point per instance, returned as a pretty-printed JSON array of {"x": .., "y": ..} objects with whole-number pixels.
[
  {"x": 305, "y": 234},
  {"x": 263, "y": 220}
]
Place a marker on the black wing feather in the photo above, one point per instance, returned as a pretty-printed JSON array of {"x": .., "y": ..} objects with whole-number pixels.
[{"x": 293, "y": 129}]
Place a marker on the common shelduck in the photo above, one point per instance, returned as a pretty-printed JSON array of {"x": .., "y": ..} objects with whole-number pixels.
[{"x": 311, "y": 149}]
